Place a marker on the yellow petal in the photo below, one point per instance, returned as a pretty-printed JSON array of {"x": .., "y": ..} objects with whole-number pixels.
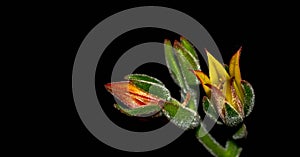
[
  {"x": 219, "y": 76},
  {"x": 226, "y": 89},
  {"x": 234, "y": 71},
  {"x": 204, "y": 80},
  {"x": 217, "y": 72}
]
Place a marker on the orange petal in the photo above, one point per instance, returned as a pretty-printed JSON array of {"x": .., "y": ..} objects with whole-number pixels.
[
  {"x": 130, "y": 95},
  {"x": 204, "y": 80}
]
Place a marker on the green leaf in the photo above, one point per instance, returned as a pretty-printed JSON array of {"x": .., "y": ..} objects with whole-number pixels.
[
  {"x": 187, "y": 63},
  {"x": 232, "y": 117},
  {"x": 249, "y": 97},
  {"x": 180, "y": 65},
  {"x": 210, "y": 110},
  {"x": 241, "y": 133},
  {"x": 154, "y": 89},
  {"x": 173, "y": 65},
  {"x": 143, "y": 110},
  {"x": 188, "y": 46},
  {"x": 181, "y": 116},
  {"x": 150, "y": 84},
  {"x": 137, "y": 77}
]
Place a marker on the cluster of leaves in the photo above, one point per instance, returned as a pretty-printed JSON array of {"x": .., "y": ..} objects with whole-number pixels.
[{"x": 228, "y": 100}]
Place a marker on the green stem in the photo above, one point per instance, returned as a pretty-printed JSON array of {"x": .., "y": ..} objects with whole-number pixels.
[{"x": 231, "y": 149}]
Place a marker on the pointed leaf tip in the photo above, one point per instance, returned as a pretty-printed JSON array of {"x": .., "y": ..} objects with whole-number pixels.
[
  {"x": 108, "y": 86},
  {"x": 167, "y": 41},
  {"x": 176, "y": 45},
  {"x": 182, "y": 38},
  {"x": 188, "y": 46}
]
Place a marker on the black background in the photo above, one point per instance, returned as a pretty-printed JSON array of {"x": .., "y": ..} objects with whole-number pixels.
[{"x": 262, "y": 30}]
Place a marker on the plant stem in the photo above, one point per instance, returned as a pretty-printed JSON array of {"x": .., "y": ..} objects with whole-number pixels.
[{"x": 231, "y": 149}]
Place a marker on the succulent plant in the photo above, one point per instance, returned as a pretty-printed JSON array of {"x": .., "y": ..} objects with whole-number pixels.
[{"x": 227, "y": 95}]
